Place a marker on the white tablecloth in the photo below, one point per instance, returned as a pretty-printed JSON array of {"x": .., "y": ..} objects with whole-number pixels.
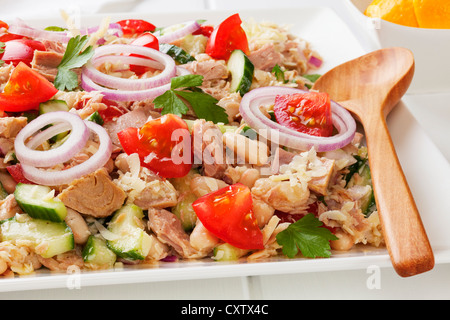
[{"x": 431, "y": 111}]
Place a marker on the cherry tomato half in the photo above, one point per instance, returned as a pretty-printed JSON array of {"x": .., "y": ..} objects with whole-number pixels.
[
  {"x": 147, "y": 40},
  {"x": 227, "y": 37},
  {"x": 25, "y": 90},
  {"x": 21, "y": 50},
  {"x": 308, "y": 112},
  {"x": 132, "y": 27},
  {"x": 163, "y": 145},
  {"x": 227, "y": 213}
]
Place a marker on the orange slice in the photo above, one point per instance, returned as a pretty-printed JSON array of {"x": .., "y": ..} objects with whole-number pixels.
[
  {"x": 395, "y": 11},
  {"x": 433, "y": 13}
]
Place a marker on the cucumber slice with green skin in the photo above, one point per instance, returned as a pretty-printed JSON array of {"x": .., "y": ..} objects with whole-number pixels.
[
  {"x": 227, "y": 252},
  {"x": 132, "y": 241},
  {"x": 35, "y": 201},
  {"x": 53, "y": 105},
  {"x": 48, "y": 238},
  {"x": 96, "y": 252},
  {"x": 242, "y": 70},
  {"x": 3, "y": 193},
  {"x": 96, "y": 118},
  {"x": 177, "y": 53}
]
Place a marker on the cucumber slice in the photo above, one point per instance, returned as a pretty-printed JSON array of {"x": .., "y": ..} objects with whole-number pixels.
[
  {"x": 227, "y": 252},
  {"x": 242, "y": 70},
  {"x": 35, "y": 200},
  {"x": 48, "y": 238},
  {"x": 95, "y": 117},
  {"x": 132, "y": 241},
  {"x": 3, "y": 193},
  {"x": 53, "y": 105},
  {"x": 96, "y": 252},
  {"x": 177, "y": 53}
]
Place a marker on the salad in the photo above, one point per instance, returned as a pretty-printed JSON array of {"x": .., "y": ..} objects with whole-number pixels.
[{"x": 130, "y": 143}]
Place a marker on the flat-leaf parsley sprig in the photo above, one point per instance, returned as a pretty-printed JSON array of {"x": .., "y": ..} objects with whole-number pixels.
[
  {"x": 74, "y": 57},
  {"x": 204, "y": 105},
  {"x": 308, "y": 236}
]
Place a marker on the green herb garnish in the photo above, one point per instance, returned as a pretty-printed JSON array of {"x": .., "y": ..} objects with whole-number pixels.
[
  {"x": 204, "y": 105},
  {"x": 279, "y": 74},
  {"x": 308, "y": 236},
  {"x": 74, "y": 57}
]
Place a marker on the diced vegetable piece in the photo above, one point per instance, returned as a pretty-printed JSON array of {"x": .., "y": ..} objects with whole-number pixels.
[
  {"x": 241, "y": 69},
  {"x": 37, "y": 201},
  {"x": 52, "y": 106},
  {"x": 177, "y": 53},
  {"x": 96, "y": 117},
  {"x": 96, "y": 252},
  {"x": 184, "y": 210},
  {"x": 132, "y": 241},
  {"x": 48, "y": 238},
  {"x": 227, "y": 252}
]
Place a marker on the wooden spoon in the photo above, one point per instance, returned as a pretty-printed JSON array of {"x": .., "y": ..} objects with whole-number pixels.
[{"x": 370, "y": 87}]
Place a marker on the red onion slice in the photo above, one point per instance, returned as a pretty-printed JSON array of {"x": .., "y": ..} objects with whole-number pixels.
[
  {"x": 188, "y": 28},
  {"x": 21, "y": 28},
  {"x": 128, "y": 95},
  {"x": 76, "y": 141},
  {"x": 98, "y": 160},
  {"x": 109, "y": 81},
  {"x": 252, "y": 115}
]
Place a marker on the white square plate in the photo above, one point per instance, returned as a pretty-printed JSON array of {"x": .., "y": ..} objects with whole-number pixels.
[{"x": 426, "y": 169}]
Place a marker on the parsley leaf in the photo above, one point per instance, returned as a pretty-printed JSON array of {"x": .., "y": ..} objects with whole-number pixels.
[
  {"x": 312, "y": 78},
  {"x": 279, "y": 74},
  {"x": 307, "y": 236},
  {"x": 73, "y": 58},
  {"x": 204, "y": 105}
]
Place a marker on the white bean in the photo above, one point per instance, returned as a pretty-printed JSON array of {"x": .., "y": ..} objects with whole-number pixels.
[
  {"x": 201, "y": 239},
  {"x": 345, "y": 242},
  {"x": 253, "y": 151},
  {"x": 203, "y": 185},
  {"x": 78, "y": 225},
  {"x": 249, "y": 177}
]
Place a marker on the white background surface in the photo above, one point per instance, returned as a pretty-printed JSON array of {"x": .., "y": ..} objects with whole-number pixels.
[{"x": 431, "y": 111}]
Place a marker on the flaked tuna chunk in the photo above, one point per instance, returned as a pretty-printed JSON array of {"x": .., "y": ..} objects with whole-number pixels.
[
  {"x": 266, "y": 57},
  {"x": 209, "y": 149},
  {"x": 10, "y": 126},
  {"x": 169, "y": 230},
  {"x": 320, "y": 183},
  {"x": 94, "y": 195},
  {"x": 46, "y": 63},
  {"x": 9, "y": 207},
  {"x": 209, "y": 68}
]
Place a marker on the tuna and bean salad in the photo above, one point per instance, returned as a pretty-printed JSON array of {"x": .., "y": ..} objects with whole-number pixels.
[{"x": 128, "y": 143}]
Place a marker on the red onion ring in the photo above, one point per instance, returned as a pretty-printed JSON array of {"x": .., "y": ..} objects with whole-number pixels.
[
  {"x": 252, "y": 115},
  {"x": 21, "y": 28},
  {"x": 76, "y": 141},
  {"x": 54, "y": 178},
  {"x": 189, "y": 27},
  {"x": 100, "y": 78},
  {"x": 128, "y": 95}
]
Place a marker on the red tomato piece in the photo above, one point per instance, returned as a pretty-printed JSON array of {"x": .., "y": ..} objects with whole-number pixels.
[
  {"x": 308, "y": 112},
  {"x": 227, "y": 213},
  {"x": 131, "y": 27},
  {"x": 147, "y": 40},
  {"x": 205, "y": 30},
  {"x": 16, "y": 173},
  {"x": 157, "y": 149},
  {"x": 227, "y": 37},
  {"x": 25, "y": 90},
  {"x": 21, "y": 50},
  {"x": 3, "y": 24},
  {"x": 11, "y": 36}
]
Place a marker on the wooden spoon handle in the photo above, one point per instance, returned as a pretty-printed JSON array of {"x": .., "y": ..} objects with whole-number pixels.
[{"x": 405, "y": 236}]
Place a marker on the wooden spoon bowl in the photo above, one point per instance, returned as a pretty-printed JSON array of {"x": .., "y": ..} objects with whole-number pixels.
[{"x": 370, "y": 87}]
